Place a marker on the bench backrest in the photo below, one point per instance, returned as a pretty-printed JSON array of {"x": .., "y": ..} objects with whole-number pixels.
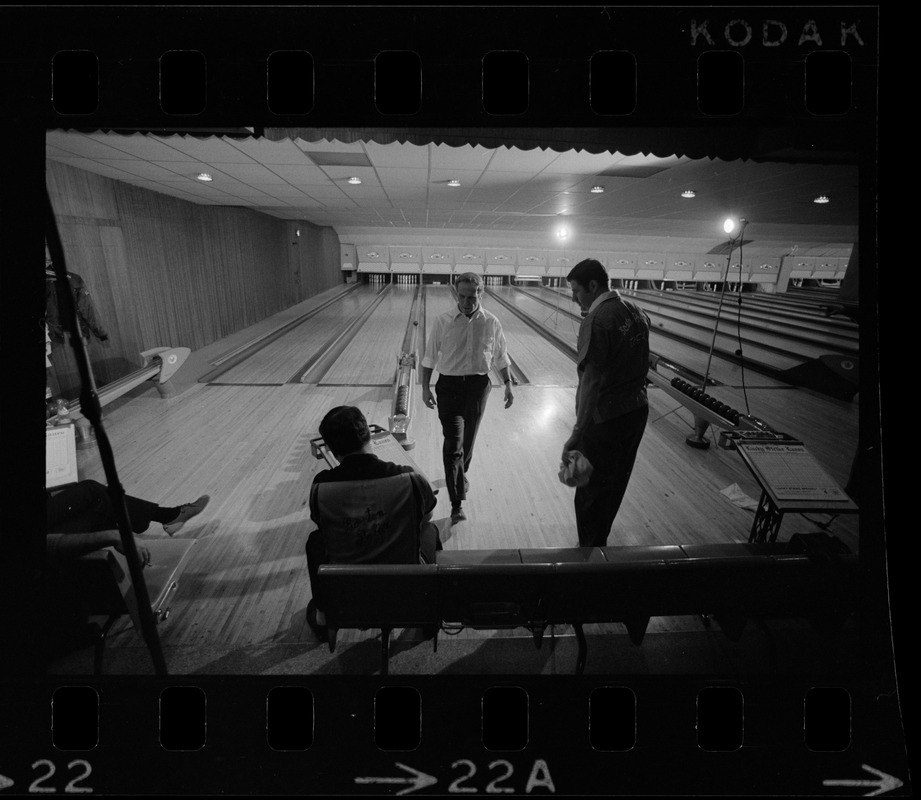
[
  {"x": 376, "y": 596},
  {"x": 506, "y": 589}
]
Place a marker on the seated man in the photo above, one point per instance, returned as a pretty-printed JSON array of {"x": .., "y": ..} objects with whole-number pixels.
[
  {"x": 368, "y": 511},
  {"x": 80, "y": 519}
]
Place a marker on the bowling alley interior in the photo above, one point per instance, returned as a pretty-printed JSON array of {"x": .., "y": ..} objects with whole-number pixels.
[{"x": 232, "y": 286}]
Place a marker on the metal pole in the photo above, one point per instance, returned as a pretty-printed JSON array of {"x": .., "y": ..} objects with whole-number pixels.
[{"x": 90, "y": 408}]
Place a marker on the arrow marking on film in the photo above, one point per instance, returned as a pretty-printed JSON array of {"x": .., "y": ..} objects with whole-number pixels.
[
  {"x": 883, "y": 783},
  {"x": 419, "y": 780}
]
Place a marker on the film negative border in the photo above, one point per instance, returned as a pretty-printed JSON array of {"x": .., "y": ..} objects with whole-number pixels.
[
  {"x": 421, "y": 70},
  {"x": 486, "y": 734},
  {"x": 473, "y": 66}
]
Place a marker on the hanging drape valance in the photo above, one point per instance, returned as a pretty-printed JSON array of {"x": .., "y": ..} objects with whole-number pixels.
[{"x": 727, "y": 142}]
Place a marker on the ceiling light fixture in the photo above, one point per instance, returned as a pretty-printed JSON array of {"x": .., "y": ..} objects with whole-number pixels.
[
  {"x": 354, "y": 181},
  {"x": 821, "y": 199},
  {"x": 597, "y": 189},
  {"x": 689, "y": 193},
  {"x": 204, "y": 176},
  {"x": 454, "y": 182}
]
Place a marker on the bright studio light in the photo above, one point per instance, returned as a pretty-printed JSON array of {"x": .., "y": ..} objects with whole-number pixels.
[
  {"x": 729, "y": 225},
  {"x": 562, "y": 233}
]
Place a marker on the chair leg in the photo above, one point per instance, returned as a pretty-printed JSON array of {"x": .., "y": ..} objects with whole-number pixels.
[
  {"x": 99, "y": 649},
  {"x": 385, "y": 650},
  {"x": 583, "y": 648}
]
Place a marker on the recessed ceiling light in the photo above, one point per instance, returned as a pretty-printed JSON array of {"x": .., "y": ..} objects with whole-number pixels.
[
  {"x": 597, "y": 189},
  {"x": 204, "y": 176},
  {"x": 453, "y": 182},
  {"x": 689, "y": 193},
  {"x": 821, "y": 199},
  {"x": 354, "y": 181}
]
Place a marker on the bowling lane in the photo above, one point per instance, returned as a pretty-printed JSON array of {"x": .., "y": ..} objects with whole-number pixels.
[
  {"x": 818, "y": 329},
  {"x": 770, "y": 344},
  {"x": 277, "y": 362},
  {"x": 543, "y": 306},
  {"x": 541, "y": 363},
  {"x": 372, "y": 356}
]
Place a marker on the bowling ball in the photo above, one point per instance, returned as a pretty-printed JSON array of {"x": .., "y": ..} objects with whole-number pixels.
[{"x": 415, "y": 322}]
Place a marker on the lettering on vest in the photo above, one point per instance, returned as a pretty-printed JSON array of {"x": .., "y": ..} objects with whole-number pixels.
[{"x": 372, "y": 526}]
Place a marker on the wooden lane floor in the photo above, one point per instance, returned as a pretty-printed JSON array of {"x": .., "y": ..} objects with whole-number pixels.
[
  {"x": 763, "y": 307},
  {"x": 769, "y": 347},
  {"x": 565, "y": 323},
  {"x": 245, "y": 588},
  {"x": 372, "y": 356},
  {"x": 249, "y": 448},
  {"x": 814, "y": 334},
  {"x": 280, "y": 360},
  {"x": 812, "y": 299}
]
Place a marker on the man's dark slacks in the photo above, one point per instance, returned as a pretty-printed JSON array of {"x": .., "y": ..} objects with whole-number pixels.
[
  {"x": 461, "y": 403},
  {"x": 86, "y": 507},
  {"x": 611, "y": 448}
]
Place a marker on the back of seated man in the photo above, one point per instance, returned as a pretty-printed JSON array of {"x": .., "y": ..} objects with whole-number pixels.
[{"x": 367, "y": 511}]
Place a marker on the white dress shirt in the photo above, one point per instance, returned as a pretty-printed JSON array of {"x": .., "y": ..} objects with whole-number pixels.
[{"x": 461, "y": 345}]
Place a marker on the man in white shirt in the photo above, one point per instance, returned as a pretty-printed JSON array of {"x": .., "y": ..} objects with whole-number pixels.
[{"x": 464, "y": 344}]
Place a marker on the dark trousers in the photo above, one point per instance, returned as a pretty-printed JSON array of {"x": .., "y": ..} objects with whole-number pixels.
[
  {"x": 317, "y": 555},
  {"x": 85, "y": 507},
  {"x": 461, "y": 403},
  {"x": 611, "y": 448}
]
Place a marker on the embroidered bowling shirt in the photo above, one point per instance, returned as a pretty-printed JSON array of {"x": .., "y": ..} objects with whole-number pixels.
[{"x": 461, "y": 345}]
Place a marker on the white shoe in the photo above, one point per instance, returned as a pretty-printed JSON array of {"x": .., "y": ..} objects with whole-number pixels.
[{"x": 186, "y": 512}]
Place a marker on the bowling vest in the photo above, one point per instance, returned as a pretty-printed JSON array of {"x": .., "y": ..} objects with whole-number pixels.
[
  {"x": 371, "y": 521},
  {"x": 623, "y": 329}
]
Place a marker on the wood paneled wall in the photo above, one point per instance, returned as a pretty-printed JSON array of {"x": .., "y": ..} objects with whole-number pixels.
[{"x": 163, "y": 272}]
